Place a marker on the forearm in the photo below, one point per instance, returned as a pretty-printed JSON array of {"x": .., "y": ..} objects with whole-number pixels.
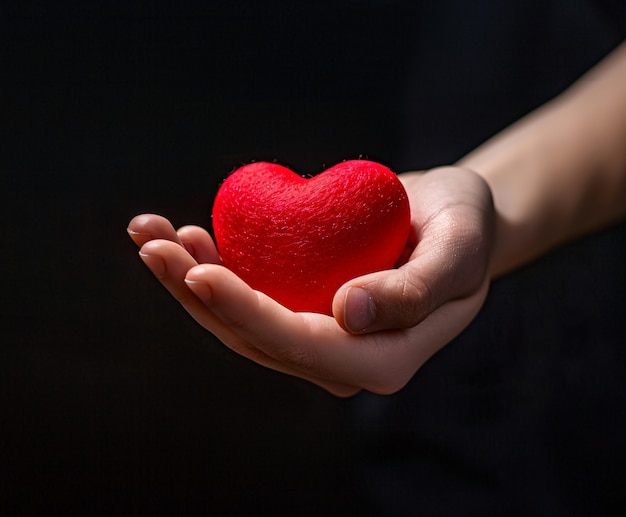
[{"x": 561, "y": 171}]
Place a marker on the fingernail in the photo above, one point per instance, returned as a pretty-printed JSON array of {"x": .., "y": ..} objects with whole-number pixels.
[
  {"x": 154, "y": 263},
  {"x": 360, "y": 309},
  {"x": 133, "y": 232},
  {"x": 201, "y": 289}
]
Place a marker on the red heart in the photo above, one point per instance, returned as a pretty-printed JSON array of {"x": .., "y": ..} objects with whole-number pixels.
[{"x": 298, "y": 240}]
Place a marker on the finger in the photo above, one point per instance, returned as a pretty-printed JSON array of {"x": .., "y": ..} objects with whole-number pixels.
[
  {"x": 245, "y": 309},
  {"x": 199, "y": 244},
  {"x": 440, "y": 269},
  {"x": 311, "y": 344},
  {"x": 170, "y": 264},
  {"x": 146, "y": 227}
]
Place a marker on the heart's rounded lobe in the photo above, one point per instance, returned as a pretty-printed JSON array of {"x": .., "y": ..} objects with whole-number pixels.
[{"x": 298, "y": 240}]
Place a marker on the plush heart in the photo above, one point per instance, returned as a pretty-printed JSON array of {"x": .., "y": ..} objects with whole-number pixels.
[{"x": 298, "y": 240}]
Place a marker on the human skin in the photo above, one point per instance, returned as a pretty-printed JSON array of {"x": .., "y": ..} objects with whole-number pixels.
[
  {"x": 557, "y": 174},
  {"x": 448, "y": 272},
  {"x": 560, "y": 172}
]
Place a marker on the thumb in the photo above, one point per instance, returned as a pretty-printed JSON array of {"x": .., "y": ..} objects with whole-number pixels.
[{"x": 399, "y": 298}]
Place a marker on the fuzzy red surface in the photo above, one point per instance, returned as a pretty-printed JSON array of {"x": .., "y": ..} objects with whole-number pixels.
[{"x": 298, "y": 240}]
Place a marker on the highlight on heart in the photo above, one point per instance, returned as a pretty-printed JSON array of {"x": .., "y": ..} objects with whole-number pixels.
[{"x": 299, "y": 239}]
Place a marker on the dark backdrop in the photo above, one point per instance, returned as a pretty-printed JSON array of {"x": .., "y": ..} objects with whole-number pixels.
[{"x": 114, "y": 400}]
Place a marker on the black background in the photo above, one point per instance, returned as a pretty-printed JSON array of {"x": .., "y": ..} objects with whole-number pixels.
[{"x": 114, "y": 401}]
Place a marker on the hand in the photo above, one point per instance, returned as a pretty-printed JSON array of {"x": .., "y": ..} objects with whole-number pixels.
[{"x": 386, "y": 325}]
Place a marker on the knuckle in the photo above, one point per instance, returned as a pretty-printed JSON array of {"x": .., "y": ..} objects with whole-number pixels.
[{"x": 413, "y": 301}]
